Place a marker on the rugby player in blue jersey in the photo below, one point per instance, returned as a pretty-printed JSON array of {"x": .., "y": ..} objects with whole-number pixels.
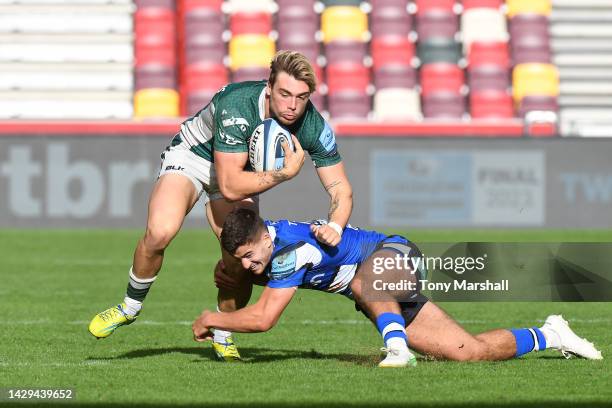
[{"x": 286, "y": 255}]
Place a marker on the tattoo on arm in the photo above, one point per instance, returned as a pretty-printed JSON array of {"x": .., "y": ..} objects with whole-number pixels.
[
  {"x": 277, "y": 177},
  {"x": 334, "y": 206},
  {"x": 332, "y": 185}
]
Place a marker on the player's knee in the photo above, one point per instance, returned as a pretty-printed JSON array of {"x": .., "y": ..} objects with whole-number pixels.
[
  {"x": 159, "y": 236},
  {"x": 475, "y": 351}
]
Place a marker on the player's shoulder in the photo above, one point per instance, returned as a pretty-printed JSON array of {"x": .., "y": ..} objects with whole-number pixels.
[
  {"x": 238, "y": 97},
  {"x": 315, "y": 129}
]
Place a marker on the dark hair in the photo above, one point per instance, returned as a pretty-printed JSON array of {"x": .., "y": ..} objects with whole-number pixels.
[{"x": 241, "y": 226}]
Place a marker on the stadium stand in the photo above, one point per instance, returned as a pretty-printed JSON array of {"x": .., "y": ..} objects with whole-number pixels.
[
  {"x": 61, "y": 61},
  {"x": 388, "y": 60},
  {"x": 581, "y": 44}
]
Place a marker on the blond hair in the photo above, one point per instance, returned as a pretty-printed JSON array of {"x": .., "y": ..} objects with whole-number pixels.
[{"x": 294, "y": 64}]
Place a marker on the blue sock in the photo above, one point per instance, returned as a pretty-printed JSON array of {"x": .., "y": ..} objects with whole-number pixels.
[
  {"x": 528, "y": 340},
  {"x": 391, "y": 325}
]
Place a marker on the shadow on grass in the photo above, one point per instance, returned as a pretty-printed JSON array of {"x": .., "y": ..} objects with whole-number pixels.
[
  {"x": 250, "y": 355},
  {"x": 260, "y": 355}
]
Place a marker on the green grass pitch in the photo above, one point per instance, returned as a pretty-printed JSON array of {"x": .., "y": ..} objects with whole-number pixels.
[{"x": 322, "y": 353}]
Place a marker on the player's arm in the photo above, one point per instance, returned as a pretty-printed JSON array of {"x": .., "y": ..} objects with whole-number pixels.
[
  {"x": 340, "y": 192},
  {"x": 259, "y": 317},
  {"x": 236, "y": 184}
]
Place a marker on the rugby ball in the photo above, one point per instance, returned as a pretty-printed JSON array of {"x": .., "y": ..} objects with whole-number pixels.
[{"x": 265, "y": 150}]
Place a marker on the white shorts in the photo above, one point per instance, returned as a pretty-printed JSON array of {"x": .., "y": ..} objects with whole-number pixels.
[{"x": 180, "y": 160}]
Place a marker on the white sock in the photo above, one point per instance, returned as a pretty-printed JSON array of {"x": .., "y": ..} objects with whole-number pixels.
[
  {"x": 221, "y": 335},
  {"x": 552, "y": 338},
  {"x": 132, "y": 306},
  {"x": 396, "y": 343}
]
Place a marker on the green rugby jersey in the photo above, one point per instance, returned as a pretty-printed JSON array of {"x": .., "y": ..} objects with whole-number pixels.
[{"x": 228, "y": 121}]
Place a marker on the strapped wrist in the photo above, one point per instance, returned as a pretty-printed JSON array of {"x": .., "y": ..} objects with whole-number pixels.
[{"x": 336, "y": 227}]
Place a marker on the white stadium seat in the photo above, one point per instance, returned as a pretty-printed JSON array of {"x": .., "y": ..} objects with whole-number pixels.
[
  {"x": 67, "y": 77},
  {"x": 66, "y": 19},
  {"x": 483, "y": 24},
  {"x": 397, "y": 104},
  {"x": 64, "y": 105},
  {"x": 234, "y": 6},
  {"x": 66, "y": 48}
]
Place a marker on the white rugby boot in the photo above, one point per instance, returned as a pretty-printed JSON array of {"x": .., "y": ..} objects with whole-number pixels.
[
  {"x": 568, "y": 342},
  {"x": 398, "y": 355}
]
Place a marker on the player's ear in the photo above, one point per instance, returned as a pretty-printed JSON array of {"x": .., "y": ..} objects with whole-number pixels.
[
  {"x": 268, "y": 88},
  {"x": 267, "y": 239}
]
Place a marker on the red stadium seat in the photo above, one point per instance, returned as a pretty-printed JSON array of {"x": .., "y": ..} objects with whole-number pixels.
[
  {"x": 203, "y": 76},
  {"x": 347, "y": 76},
  {"x": 468, "y": 4},
  {"x": 489, "y": 53},
  {"x": 427, "y": 5},
  {"x": 441, "y": 77},
  {"x": 188, "y": 5},
  {"x": 251, "y": 23},
  {"x": 395, "y": 76},
  {"x": 392, "y": 18},
  {"x": 491, "y": 104},
  {"x": 349, "y": 104},
  {"x": 155, "y": 40},
  {"x": 250, "y": 74},
  {"x": 387, "y": 50},
  {"x": 154, "y": 76}
]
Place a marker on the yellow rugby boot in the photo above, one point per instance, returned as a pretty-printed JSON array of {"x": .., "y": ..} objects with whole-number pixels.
[
  {"x": 104, "y": 323},
  {"x": 226, "y": 351}
]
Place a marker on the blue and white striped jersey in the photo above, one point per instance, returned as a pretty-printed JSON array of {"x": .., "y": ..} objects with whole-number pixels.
[{"x": 299, "y": 260}]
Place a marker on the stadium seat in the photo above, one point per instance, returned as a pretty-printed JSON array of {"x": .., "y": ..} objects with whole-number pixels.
[
  {"x": 348, "y": 104},
  {"x": 154, "y": 76},
  {"x": 235, "y": 6},
  {"x": 166, "y": 4},
  {"x": 444, "y": 105},
  {"x": 395, "y": 76},
  {"x": 491, "y": 104},
  {"x": 203, "y": 20},
  {"x": 66, "y": 77},
  {"x": 345, "y": 51},
  {"x": 155, "y": 40},
  {"x": 397, "y": 104},
  {"x": 333, "y": 3},
  {"x": 65, "y": 19},
  {"x": 531, "y": 48},
  {"x": 427, "y": 5},
  {"x": 537, "y": 103},
  {"x": 390, "y": 18},
  {"x": 347, "y": 76},
  {"x": 534, "y": 80},
  {"x": 197, "y": 100},
  {"x": 156, "y": 102},
  {"x": 489, "y": 53},
  {"x": 188, "y": 5},
  {"x": 256, "y": 22},
  {"x": 515, "y": 7},
  {"x": 482, "y": 24},
  {"x": 344, "y": 22},
  {"x": 318, "y": 100},
  {"x": 470, "y": 4},
  {"x": 534, "y": 24},
  {"x": 394, "y": 49},
  {"x": 436, "y": 23},
  {"x": 204, "y": 76},
  {"x": 437, "y": 49},
  {"x": 297, "y": 18},
  {"x": 68, "y": 48},
  {"x": 488, "y": 77},
  {"x": 298, "y": 41},
  {"x": 250, "y": 74},
  {"x": 441, "y": 77},
  {"x": 250, "y": 50}
]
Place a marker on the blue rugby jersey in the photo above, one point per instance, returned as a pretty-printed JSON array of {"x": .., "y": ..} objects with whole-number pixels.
[{"x": 299, "y": 260}]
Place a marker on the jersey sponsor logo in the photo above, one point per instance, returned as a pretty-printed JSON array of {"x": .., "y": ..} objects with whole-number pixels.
[
  {"x": 242, "y": 123},
  {"x": 317, "y": 279},
  {"x": 283, "y": 265},
  {"x": 328, "y": 139},
  {"x": 230, "y": 140},
  {"x": 176, "y": 168}
]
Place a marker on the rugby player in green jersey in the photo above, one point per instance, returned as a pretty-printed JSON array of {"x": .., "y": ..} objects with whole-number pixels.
[{"x": 209, "y": 157}]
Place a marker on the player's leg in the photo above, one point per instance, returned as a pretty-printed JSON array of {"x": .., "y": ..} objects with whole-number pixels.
[
  {"x": 435, "y": 333},
  {"x": 172, "y": 198},
  {"x": 229, "y": 300},
  {"x": 381, "y": 305}
]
